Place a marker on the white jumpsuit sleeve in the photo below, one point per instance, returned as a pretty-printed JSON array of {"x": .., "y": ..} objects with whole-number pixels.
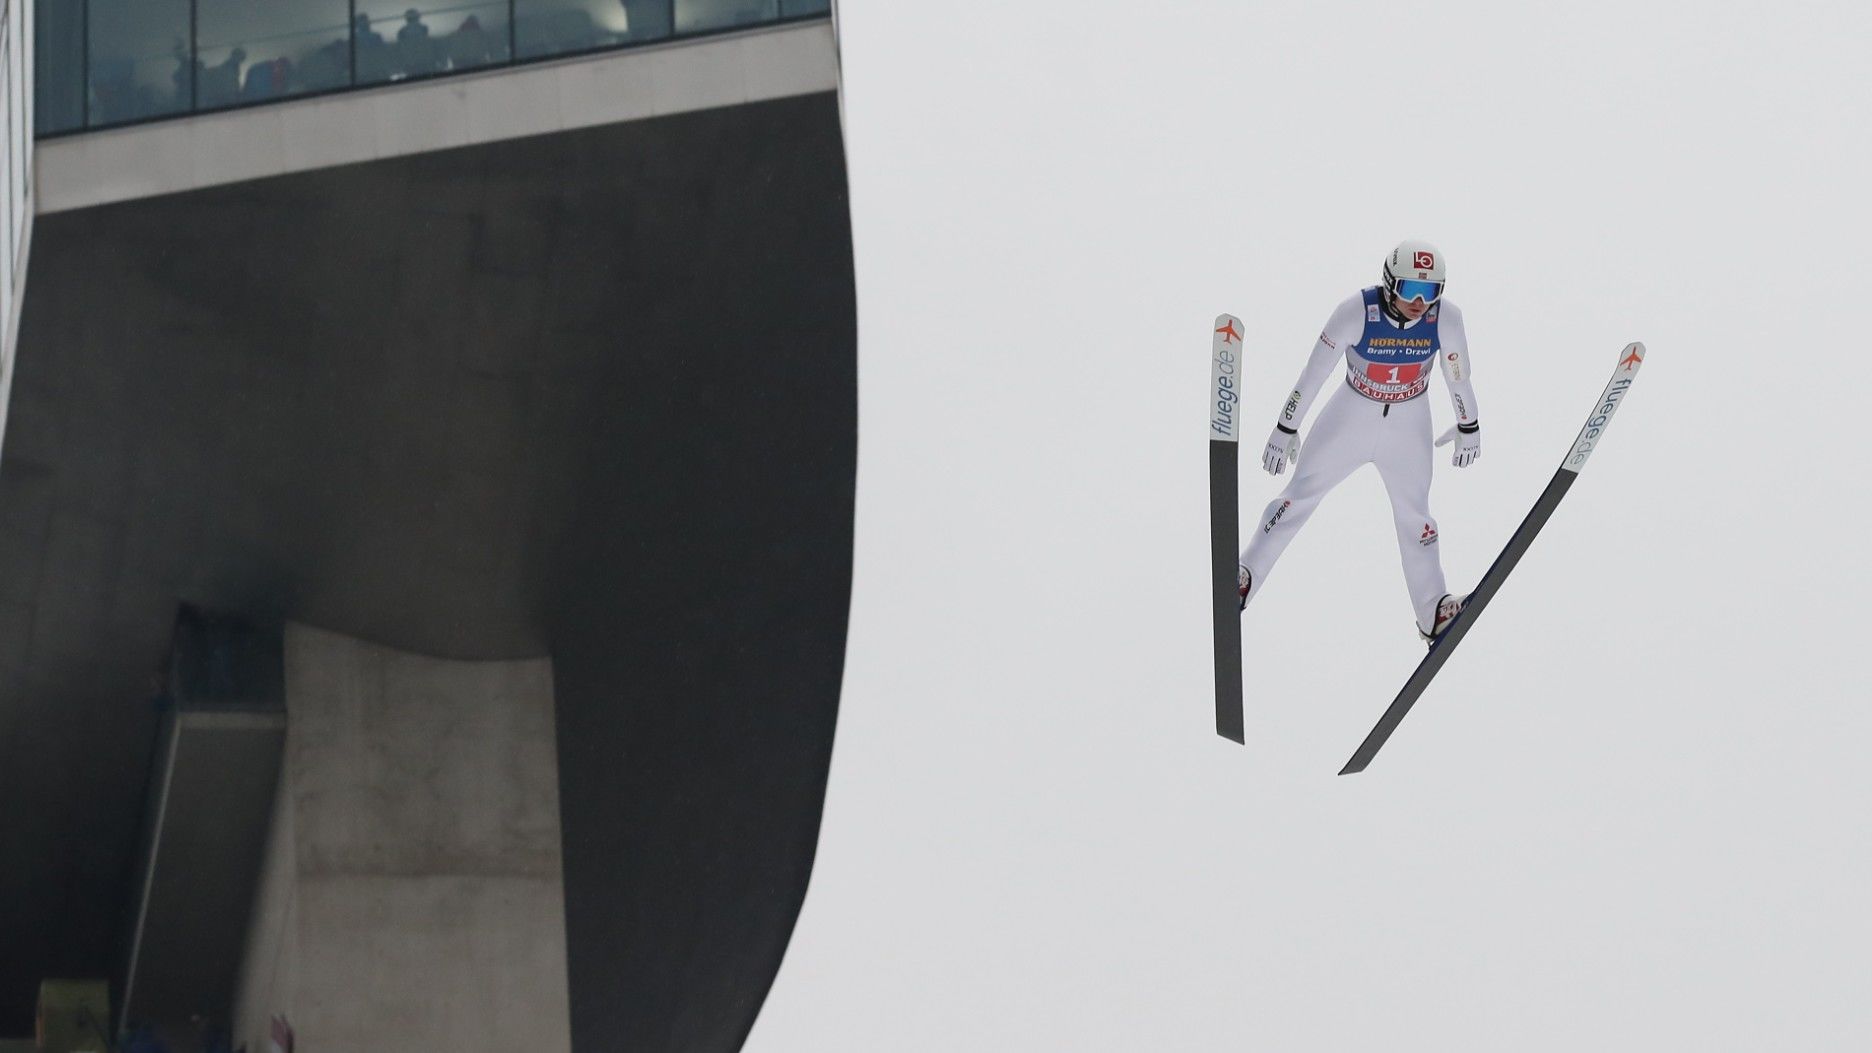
[
  {"x": 1342, "y": 330},
  {"x": 1454, "y": 358}
]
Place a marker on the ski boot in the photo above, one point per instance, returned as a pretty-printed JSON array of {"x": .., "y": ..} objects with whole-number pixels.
[{"x": 1447, "y": 609}]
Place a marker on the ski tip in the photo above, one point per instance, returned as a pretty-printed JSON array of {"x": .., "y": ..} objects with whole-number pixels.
[
  {"x": 1632, "y": 357},
  {"x": 1228, "y": 330},
  {"x": 1225, "y": 380},
  {"x": 1352, "y": 768},
  {"x": 1233, "y": 736}
]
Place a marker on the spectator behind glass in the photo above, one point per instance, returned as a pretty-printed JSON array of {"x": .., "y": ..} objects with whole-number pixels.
[
  {"x": 373, "y": 52},
  {"x": 468, "y": 46},
  {"x": 416, "y": 52},
  {"x": 268, "y": 80},
  {"x": 220, "y": 83},
  {"x": 328, "y": 67},
  {"x": 187, "y": 69}
]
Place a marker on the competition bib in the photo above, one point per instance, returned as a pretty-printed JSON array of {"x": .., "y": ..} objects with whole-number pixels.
[{"x": 1388, "y": 362}]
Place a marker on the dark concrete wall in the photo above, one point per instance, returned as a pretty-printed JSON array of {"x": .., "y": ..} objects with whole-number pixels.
[{"x": 590, "y": 395}]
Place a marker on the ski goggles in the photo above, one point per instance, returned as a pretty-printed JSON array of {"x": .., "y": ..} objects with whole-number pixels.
[{"x": 1410, "y": 289}]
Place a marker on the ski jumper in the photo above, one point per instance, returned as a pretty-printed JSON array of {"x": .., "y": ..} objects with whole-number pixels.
[{"x": 1377, "y": 416}]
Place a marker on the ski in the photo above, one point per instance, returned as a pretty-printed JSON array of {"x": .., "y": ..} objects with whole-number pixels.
[
  {"x": 1596, "y": 422},
  {"x": 1225, "y": 520}
]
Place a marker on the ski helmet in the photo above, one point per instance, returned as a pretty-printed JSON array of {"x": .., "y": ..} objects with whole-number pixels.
[{"x": 1414, "y": 271}]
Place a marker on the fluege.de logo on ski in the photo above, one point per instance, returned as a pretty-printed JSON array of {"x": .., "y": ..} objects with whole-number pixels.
[
  {"x": 1589, "y": 437},
  {"x": 1222, "y": 421}
]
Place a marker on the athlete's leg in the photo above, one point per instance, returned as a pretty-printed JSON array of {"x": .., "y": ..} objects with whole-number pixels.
[
  {"x": 1340, "y": 441},
  {"x": 1404, "y": 460}
]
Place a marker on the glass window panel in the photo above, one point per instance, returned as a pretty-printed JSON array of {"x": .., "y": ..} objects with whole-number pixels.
[
  {"x": 139, "y": 59},
  {"x": 552, "y": 27},
  {"x": 141, "y": 64},
  {"x": 11, "y": 157},
  {"x": 23, "y": 70},
  {"x": 58, "y": 83},
  {"x": 396, "y": 41},
  {"x": 695, "y": 16},
  {"x": 19, "y": 144},
  {"x": 254, "y": 50}
]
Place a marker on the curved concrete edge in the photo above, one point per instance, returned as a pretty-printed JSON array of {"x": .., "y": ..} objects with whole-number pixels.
[
  {"x": 512, "y": 102},
  {"x": 696, "y": 690}
]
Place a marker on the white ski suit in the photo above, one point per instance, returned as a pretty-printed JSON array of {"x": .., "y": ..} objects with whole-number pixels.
[{"x": 1377, "y": 417}]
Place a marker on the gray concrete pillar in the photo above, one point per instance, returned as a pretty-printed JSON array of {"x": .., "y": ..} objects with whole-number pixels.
[{"x": 412, "y": 894}]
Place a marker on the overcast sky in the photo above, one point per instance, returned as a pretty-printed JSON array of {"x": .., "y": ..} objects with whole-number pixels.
[{"x": 1630, "y": 813}]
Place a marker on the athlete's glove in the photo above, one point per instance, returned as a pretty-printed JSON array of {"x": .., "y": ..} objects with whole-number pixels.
[
  {"x": 1283, "y": 445},
  {"x": 1468, "y": 439}
]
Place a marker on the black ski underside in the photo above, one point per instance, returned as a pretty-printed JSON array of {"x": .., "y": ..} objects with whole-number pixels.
[
  {"x": 1224, "y": 524},
  {"x": 1485, "y": 590}
]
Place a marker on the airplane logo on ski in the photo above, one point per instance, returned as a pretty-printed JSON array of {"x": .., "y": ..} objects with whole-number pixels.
[
  {"x": 1631, "y": 361},
  {"x": 1229, "y": 333}
]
